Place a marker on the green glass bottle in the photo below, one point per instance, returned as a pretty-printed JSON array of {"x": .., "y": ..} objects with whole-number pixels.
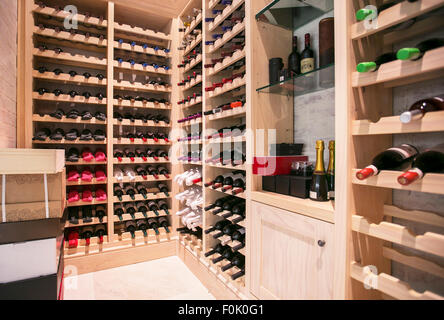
[{"x": 319, "y": 184}]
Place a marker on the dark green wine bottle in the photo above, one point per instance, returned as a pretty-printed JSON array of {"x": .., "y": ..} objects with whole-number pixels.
[{"x": 319, "y": 185}]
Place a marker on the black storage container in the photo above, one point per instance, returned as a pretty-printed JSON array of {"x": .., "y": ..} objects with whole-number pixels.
[
  {"x": 286, "y": 149},
  {"x": 300, "y": 186},
  {"x": 269, "y": 183},
  {"x": 275, "y": 66},
  {"x": 283, "y": 184}
]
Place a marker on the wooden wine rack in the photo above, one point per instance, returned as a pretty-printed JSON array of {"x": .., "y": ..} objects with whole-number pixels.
[{"x": 371, "y": 126}]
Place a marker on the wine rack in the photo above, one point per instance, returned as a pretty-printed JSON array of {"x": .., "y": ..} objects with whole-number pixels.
[
  {"x": 104, "y": 34},
  {"x": 387, "y": 229}
]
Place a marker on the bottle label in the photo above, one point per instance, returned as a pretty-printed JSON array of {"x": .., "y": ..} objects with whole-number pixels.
[
  {"x": 405, "y": 150},
  {"x": 331, "y": 194},
  {"x": 313, "y": 195},
  {"x": 307, "y": 65}
]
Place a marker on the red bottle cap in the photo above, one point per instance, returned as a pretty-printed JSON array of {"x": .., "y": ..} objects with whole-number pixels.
[
  {"x": 144, "y": 177},
  {"x": 120, "y": 159},
  {"x": 365, "y": 173},
  {"x": 101, "y": 239},
  {"x": 144, "y": 158},
  {"x": 408, "y": 177},
  {"x": 87, "y": 241},
  {"x": 132, "y": 159}
]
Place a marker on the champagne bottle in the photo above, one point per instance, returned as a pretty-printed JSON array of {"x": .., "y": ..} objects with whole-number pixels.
[
  {"x": 429, "y": 161},
  {"x": 331, "y": 171},
  {"x": 421, "y": 107},
  {"x": 319, "y": 185},
  {"x": 389, "y": 159},
  {"x": 307, "y": 56},
  {"x": 417, "y": 52},
  {"x": 294, "y": 60},
  {"x": 371, "y": 66}
]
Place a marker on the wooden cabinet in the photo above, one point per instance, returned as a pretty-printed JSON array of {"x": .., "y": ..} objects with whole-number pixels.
[{"x": 291, "y": 255}]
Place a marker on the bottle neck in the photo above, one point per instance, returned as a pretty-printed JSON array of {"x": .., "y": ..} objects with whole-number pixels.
[
  {"x": 331, "y": 163},
  {"x": 320, "y": 161}
]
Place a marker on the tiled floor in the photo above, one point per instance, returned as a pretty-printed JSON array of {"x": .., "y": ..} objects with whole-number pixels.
[{"x": 163, "y": 279}]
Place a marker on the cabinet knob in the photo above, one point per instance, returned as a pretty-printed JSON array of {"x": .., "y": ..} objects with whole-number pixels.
[{"x": 321, "y": 243}]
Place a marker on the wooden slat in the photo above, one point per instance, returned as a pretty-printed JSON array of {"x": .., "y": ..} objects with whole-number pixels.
[
  {"x": 238, "y": 28},
  {"x": 239, "y": 195},
  {"x": 228, "y": 61},
  {"x": 140, "y": 160},
  {"x": 432, "y": 122},
  {"x": 81, "y": 203},
  {"x": 236, "y": 112},
  {"x": 71, "y": 59},
  {"x": 140, "y": 49},
  {"x": 431, "y": 183},
  {"x": 137, "y": 86},
  {"x": 192, "y": 103},
  {"x": 414, "y": 262},
  {"x": 429, "y": 242},
  {"x": 142, "y": 32},
  {"x": 47, "y": 118},
  {"x": 63, "y": 35},
  {"x": 140, "y": 123},
  {"x": 237, "y": 83},
  {"x": 67, "y": 98},
  {"x": 81, "y": 223},
  {"x": 193, "y": 25},
  {"x": 392, "y": 16},
  {"x": 390, "y": 285},
  {"x": 192, "y": 83},
  {"x": 66, "y": 78},
  {"x": 193, "y": 63},
  {"x": 48, "y": 11},
  {"x": 393, "y": 73},
  {"x": 415, "y": 215},
  {"x": 149, "y": 142},
  {"x": 141, "y": 179},
  {"x": 85, "y": 183},
  {"x": 225, "y": 14},
  {"x": 139, "y": 197},
  {"x": 64, "y": 141},
  {"x": 141, "y": 105},
  {"x": 192, "y": 45},
  {"x": 139, "y": 215}
]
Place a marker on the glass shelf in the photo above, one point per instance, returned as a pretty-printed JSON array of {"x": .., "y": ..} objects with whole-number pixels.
[
  {"x": 292, "y": 14},
  {"x": 316, "y": 80}
]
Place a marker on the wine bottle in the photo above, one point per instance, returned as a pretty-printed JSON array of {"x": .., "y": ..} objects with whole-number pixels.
[
  {"x": 238, "y": 235},
  {"x": 141, "y": 207},
  {"x": 118, "y": 211},
  {"x": 153, "y": 225},
  {"x": 421, "y": 107},
  {"x": 141, "y": 189},
  {"x": 100, "y": 231},
  {"x": 363, "y": 13},
  {"x": 87, "y": 233},
  {"x": 227, "y": 230},
  {"x": 294, "y": 59},
  {"x": 163, "y": 188},
  {"x": 152, "y": 205},
  {"x": 142, "y": 225},
  {"x": 417, "y": 52},
  {"x": 307, "y": 56},
  {"x": 371, "y": 66},
  {"x": 219, "y": 248},
  {"x": 226, "y": 254},
  {"x": 118, "y": 192},
  {"x": 130, "y": 209},
  {"x": 237, "y": 209},
  {"x": 163, "y": 222},
  {"x": 163, "y": 206},
  {"x": 238, "y": 260},
  {"x": 228, "y": 205},
  {"x": 131, "y": 227},
  {"x": 389, "y": 159},
  {"x": 237, "y": 275},
  {"x": 429, "y": 161},
  {"x": 152, "y": 171},
  {"x": 129, "y": 190},
  {"x": 319, "y": 185},
  {"x": 218, "y": 226},
  {"x": 218, "y": 203},
  {"x": 331, "y": 171}
]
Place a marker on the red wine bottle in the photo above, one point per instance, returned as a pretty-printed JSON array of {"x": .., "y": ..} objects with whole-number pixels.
[
  {"x": 99, "y": 232},
  {"x": 421, "y": 107},
  {"x": 417, "y": 52},
  {"x": 294, "y": 59},
  {"x": 429, "y": 161},
  {"x": 389, "y": 159},
  {"x": 87, "y": 233},
  {"x": 307, "y": 56}
]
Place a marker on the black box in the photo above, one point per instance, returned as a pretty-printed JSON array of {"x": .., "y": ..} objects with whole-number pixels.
[
  {"x": 283, "y": 184},
  {"x": 300, "y": 186},
  {"x": 269, "y": 183},
  {"x": 286, "y": 149}
]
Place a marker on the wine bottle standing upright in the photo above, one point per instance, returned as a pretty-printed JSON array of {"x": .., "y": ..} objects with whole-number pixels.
[
  {"x": 331, "y": 170},
  {"x": 294, "y": 60},
  {"x": 307, "y": 56},
  {"x": 319, "y": 185},
  {"x": 389, "y": 159},
  {"x": 429, "y": 161},
  {"x": 421, "y": 107}
]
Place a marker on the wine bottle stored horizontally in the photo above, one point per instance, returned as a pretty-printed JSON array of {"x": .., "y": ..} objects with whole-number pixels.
[
  {"x": 163, "y": 206},
  {"x": 228, "y": 205},
  {"x": 294, "y": 59},
  {"x": 219, "y": 248},
  {"x": 370, "y": 66},
  {"x": 319, "y": 184},
  {"x": 238, "y": 260},
  {"x": 163, "y": 222},
  {"x": 152, "y": 222},
  {"x": 143, "y": 226},
  {"x": 331, "y": 170},
  {"x": 118, "y": 211},
  {"x": 418, "y": 51},
  {"x": 429, "y": 161},
  {"x": 421, "y": 107},
  {"x": 364, "y": 13},
  {"x": 389, "y": 159},
  {"x": 87, "y": 233},
  {"x": 100, "y": 231},
  {"x": 218, "y": 226},
  {"x": 131, "y": 227},
  {"x": 218, "y": 203},
  {"x": 118, "y": 192},
  {"x": 307, "y": 56}
]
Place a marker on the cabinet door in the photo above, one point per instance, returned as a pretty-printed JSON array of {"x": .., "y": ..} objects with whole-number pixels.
[{"x": 287, "y": 262}]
